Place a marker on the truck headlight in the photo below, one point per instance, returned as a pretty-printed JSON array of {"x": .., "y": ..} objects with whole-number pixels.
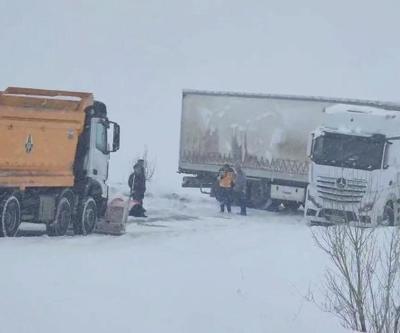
[{"x": 367, "y": 207}]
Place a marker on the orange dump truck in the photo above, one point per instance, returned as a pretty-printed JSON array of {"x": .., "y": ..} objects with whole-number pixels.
[{"x": 53, "y": 159}]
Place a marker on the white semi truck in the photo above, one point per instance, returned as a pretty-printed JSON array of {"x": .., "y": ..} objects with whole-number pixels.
[
  {"x": 355, "y": 166},
  {"x": 268, "y": 134}
]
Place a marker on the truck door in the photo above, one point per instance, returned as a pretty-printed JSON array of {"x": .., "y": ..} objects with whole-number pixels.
[{"x": 99, "y": 153}]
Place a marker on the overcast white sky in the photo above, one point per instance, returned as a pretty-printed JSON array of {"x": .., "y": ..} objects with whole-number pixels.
[{"x": 137, "y": 56}]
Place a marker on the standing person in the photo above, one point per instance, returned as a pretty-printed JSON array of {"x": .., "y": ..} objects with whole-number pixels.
[
  {"x": 137, "y": 184},
  {"x": 240, "y": 188},
  {"x": 226, "y": 176}
]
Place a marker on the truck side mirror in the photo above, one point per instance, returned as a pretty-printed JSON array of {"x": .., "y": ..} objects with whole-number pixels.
[{"x": 116, "y": 137}]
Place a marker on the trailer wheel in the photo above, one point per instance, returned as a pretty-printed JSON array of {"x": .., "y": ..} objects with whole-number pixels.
[
  {"x": 256, "y": 195},
  {"x": 63, "y": 218},
  {"x": 10, "y": 211},
  {"x": 274, "y": 205},
  {"x": 291, "y": 205},
  {"x": 87, "y": 217},
  {"x": 388, "y": 214}
]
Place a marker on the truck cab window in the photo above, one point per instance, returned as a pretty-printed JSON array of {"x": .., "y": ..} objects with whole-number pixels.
[
  {"x": 349, "y": 151},
  {"x": 101, "y": 137}
]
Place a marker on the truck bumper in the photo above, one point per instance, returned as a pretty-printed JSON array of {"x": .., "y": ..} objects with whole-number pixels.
[{"x": 328, "y": 216}]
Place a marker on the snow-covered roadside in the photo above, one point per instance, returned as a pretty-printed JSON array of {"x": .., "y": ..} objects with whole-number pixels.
[{"x": 185, "y": 269}]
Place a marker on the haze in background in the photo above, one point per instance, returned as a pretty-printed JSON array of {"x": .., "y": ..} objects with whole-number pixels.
[{"x": 137, "y": 56}]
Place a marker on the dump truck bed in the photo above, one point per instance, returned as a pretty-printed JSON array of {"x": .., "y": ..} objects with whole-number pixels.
[{"x": 39, "y": 132}]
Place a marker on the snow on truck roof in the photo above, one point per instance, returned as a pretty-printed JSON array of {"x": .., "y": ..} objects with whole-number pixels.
[
  {"x": 359, "y": 120},
  {"x": 349, "y": 101},
  {"x": 361, "y": 110}
]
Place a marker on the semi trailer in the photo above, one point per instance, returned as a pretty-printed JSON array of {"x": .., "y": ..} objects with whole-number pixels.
[
  {"x": 54, "y": 159},
  {"x": 267, "y": 134}
]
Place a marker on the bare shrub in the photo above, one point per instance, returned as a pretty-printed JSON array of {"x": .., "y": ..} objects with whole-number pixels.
[
  {"x": 149, "y": 164},
  {"x": 362, "y": 285}
]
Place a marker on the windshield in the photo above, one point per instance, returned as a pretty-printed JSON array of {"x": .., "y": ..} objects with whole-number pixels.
[{"x": 348, "y": 151}]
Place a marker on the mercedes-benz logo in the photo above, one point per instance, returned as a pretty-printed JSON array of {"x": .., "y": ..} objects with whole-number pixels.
[{"x": 341, "y": 183}]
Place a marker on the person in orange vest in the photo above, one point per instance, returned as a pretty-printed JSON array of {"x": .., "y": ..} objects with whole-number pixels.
[{"x": 226, "y": 178}]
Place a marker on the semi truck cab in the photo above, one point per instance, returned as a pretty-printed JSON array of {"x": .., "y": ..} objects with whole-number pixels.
[{"x": 354, "y": 174}]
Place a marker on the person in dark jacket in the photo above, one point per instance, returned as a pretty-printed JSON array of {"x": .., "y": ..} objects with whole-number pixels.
[
  {"x": 137, "y": 185},
  {"x": 240, "y": 188},
  {"x": 225, "y": 187}
]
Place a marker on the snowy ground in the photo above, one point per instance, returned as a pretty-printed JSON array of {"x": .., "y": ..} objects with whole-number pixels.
[{"x": 184, "y": 269}]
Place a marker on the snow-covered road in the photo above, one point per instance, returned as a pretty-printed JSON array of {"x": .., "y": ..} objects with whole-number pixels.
[{"x": 184, "y": 269}]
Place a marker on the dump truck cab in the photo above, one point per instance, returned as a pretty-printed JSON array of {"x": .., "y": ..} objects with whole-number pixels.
[
  {"x": 99, "y": 138},
  {"x": 54, "y": 159}
]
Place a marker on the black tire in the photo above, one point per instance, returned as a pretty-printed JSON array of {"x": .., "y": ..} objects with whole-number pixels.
[
  {"x": 10, "y": 217},
  {"x": 87, "y": 217},
  {"x": 292, "y": 205},
  {"x": 214, "y": 191},
  {"x": 62, "y": 221},
  {"x": 388, "y": 214},
  {"x": 274, "y": 205},
  {"x": 256, "y": 196}
]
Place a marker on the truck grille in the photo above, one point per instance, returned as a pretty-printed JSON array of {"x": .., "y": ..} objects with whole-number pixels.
[{"x": 341, "y": 190}]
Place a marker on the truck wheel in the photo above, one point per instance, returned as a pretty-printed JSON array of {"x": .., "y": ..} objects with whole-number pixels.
[
  {"x": 291, "y": 205},
  {"x": 10, "y": 211},
  {"x": 87, "y": 217},
  {"x": 59, "y": 226},
  {"x": 274, "y": 205},
  {"x": 388, "y": 214},
  {"x": 257, "y": 198}
]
